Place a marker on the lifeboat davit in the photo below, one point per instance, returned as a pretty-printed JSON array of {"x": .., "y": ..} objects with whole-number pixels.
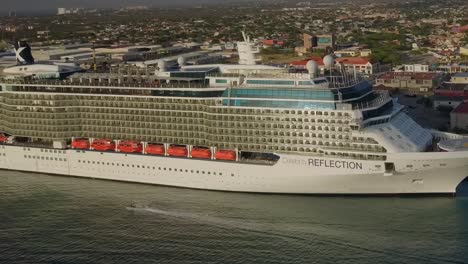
[
  {"x": 103, "y": 145},
  {"x": 155, "y": 149},
  {"x": 225, "y": 155},
  {"x": 130, "y": 147},
  {"x": 201, "y": 153},
  {"x": 3, "y": 138},
  {"x": 177, "y": 151},
  {"x": 80, "y": 143}
]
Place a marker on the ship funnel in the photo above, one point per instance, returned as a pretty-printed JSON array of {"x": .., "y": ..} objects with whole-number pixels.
[{"x": 23, "y": 53}]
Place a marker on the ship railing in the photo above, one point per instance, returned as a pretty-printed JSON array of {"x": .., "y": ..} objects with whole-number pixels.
[
  {"x": 381, "y": 98},
  {"x": 441, "y": 136},
  {"x": 343, "y": 81},
  {"x": 97, "y": 84}
]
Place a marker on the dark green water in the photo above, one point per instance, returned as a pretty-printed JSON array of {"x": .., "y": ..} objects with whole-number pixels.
[{"x": 49, "y": 219}]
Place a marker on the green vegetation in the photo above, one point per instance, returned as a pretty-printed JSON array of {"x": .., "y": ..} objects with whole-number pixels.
[
  {"x": 277, "y": 55},
  {"x": 3, "y": 46},
  {"x": 386, "y": 47}
]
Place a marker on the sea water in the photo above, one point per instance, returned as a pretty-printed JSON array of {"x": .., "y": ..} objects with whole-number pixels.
[{"x": 52, "y": 219}]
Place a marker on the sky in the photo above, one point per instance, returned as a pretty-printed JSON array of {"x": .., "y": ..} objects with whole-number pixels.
[{"x": 45, "y": 5}]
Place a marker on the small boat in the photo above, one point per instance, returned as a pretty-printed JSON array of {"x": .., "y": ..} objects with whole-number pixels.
[
  {"x": 3, "y": 138},
  {"x": 226, "y": 155},
  {"x": 80, "y": 143},
  {"x": 177, "y": 151},
  {"x": 103, "y": 145},
  {"x": 128, "y": 146},
  {"x": 201, "y": 153},
  {"x": 155, "y": 149}
]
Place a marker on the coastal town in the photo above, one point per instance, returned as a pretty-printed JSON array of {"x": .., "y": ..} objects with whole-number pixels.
[{"x": 418, "y": 52}]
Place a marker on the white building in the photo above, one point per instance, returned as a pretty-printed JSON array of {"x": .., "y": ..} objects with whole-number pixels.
[
  {"x": 416, "y": 68},
  {"x": 61, "y": 11}
]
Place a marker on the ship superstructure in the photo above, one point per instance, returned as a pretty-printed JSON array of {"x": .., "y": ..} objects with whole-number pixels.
[{"x": 268, "y": 129}]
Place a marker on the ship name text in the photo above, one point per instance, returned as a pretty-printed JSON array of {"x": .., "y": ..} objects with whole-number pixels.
[{"x": 339, "y": 164}]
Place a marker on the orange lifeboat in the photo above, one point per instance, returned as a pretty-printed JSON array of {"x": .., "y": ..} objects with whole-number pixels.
[
  {"x": 3, "y": 138},
  {"x": 177, "y": 151},
  {"x": 155, "y": 149},
  {"x": 103, "y": 145},
  {"x": 130, "y": 147},
  {"x": 80, "y": 143},
  {"x": 225, "y": 155},
  {"x": 201, "y": 153}
]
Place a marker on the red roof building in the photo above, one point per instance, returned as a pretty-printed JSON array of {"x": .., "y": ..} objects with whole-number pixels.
[
  {"x": 273, "y": 42},
  {"x": 361, "y": 65},
  {"x": 459, "y": 116}
]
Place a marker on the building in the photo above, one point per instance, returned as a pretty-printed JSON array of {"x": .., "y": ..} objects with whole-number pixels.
[
  {"x": 350, "y": 64},
  {"x": 61, "y": 11},
  {"x": 347, "y": 53},
  {"x": 464, "y": 50},
  {"x": 452, "y": 93},
  {"x": 324, "y": 41},
  {"x": 416, "y": 83},
  {"x": 460, "y": 29},
  {"x": 459, "y": 117},
  {"x": 66, "y": 11},
  {"x": 460, "y": 77},
  {"x": 301, "y": 64},
  {"x": 307, "y": 38},
  {"x": 361, "y": 65},
  {"x": 365, "y": 52},
  {"x": 272, "y": 43},
  {"x": 416, "y": 68}
]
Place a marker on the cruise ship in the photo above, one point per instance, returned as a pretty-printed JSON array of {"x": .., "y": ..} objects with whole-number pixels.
[{"x": 228, "y": 127}]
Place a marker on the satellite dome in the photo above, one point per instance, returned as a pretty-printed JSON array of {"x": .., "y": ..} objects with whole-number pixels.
[
  {"x": 329, "y": 61},
  {"x": 162, "y": 65},
  {"x": 312, "y": 67},
  {"x": 181, "y": 61}
]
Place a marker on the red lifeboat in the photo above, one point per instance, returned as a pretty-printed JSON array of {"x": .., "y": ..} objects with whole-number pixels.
[
  {"x": 80, "y": 143},
  {"x": 201, "y": 153},
  {"x": 225, "y": 155},
  {"x": 155, "y": 149},
  {"x": 177, "y": 151},
  {"x": 103, "y": 145},
  {"x": 130, "y": 147},
  {"x": 3, "y": 138}
]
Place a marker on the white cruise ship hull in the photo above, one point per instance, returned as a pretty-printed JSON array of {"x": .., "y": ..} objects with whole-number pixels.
[{"x": 414, "y": 173}]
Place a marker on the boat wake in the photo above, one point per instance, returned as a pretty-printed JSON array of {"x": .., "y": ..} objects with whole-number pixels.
[
  {"x": 272, "y": 231},
  {"x": 203, "y": 219}
]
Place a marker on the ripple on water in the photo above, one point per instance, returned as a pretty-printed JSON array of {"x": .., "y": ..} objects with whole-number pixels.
[{"x": 53, "y": 219}]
